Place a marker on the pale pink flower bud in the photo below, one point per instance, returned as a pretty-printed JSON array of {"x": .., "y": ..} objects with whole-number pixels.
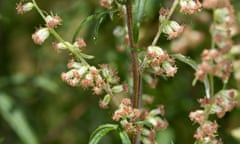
[
  {"x": 169, "y": 69},
  {"x": 80, "y": 43},
  {"x": 21, "y": 9},
  {"x": 40, "y": 35},
  {"x": 163, "y": 15},
  {"x": 155, "y": 50},
  {"x": 81, "y": 71},
  {"x": 68, "y": 75},
  {"x": 173, "y": 29},
  {"x": 52, "y": 22},
  {"x": 87, "y": 81},
  {"x": 197, "y": 116},
  {"x": 106, "y": 100},
  {"x": 73, "y": 64},
  {"x": 157, "y": 111},
  {"x": 97, "y": 90}
]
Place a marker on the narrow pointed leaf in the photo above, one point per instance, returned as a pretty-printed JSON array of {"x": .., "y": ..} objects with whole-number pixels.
[
  {"x": 100, "y": 132},
  {"x": 87, "y": 56},
  {"x": 84, "y": 22},
  {"x": 138, "y": 13},
  {"x": 194, "y": 65},
  {"x": 124, "y": 137},
  {"x": 97, "y": 26}
]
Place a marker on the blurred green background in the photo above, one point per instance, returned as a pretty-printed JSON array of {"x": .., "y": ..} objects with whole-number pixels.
[{"x": 38, "y": 107}]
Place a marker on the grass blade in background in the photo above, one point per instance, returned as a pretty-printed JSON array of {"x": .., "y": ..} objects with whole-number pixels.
[{"x": 15, "y": 118}]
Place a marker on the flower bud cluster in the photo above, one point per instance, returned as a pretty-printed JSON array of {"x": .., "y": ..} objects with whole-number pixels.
[
  {"x": 224, "y": 27},
  {"x": 127, "y": 116},
  {"x": 155, "y": 123},
  {"x": 145, "y": 123},
  {"x": 224, "y": 101},
  {"x": 214, "y": 63},
  {"x": 42, "y": 33},
  {"x": 190, "y": 6},
  {"x": 100, "y": 80},
  {"x": 159, "y": 61},
  {"x": 169, "y": 27},
  {"x": 206, "y": 133}
]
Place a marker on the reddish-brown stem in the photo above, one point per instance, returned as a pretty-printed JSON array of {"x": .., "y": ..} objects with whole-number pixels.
[
  {"x": 135, "y": 65},
  {"x": 136, "y": 97}
]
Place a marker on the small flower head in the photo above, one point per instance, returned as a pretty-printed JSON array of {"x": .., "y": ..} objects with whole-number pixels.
[
  {"x": 22, "y": 8},
  {"x": 190, "y": 6},
  {"x": 53, "y": 21},
  {"x": 169, "y": 69},
  {"x": 106, "y": 3},
  {"x": 156, "y": 55},
  {"x": 40, "y": 35},
  {"x": 97, "y": 90},
  {"x": 87, "y": 81},
  {"x": 106, "y": 100},
  {"x": 173, "y": 29},
  {"x": 197, "y": 116},
  {"x": 163, "y": 14},
  {"x": 80, "y": 43}
]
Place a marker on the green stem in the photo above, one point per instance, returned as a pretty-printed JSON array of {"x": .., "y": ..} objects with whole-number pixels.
[
  {"x": 58, "y": 37},
  {"x": 211, "y": 85},
  {"x": 155, "y": 40},
  {"x": 38, "y": 9}
]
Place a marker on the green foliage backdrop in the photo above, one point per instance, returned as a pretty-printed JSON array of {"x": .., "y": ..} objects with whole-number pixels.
[{"x": 37, "y": 107}]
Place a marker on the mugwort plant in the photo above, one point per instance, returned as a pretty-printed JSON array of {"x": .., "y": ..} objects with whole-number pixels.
[{"x": 134, "y": 122}]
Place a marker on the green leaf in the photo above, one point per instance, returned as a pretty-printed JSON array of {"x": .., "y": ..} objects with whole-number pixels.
[
  {"x": 84, "y": 22},
  {"x": 138, "y": 13},
  {"x": 101, "y": 131},
  {"x": 16, "y": 119},
  {"x": 194, "y": 65},
  {"x": 87, "y": 56},
  {"x": 46, "y": 83},
  {"x": 186, "y": 60},
  {"x": 100, "y": 16},
  {"x": 124, "y": 137},
  {"x": 97, "y": 26}
]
